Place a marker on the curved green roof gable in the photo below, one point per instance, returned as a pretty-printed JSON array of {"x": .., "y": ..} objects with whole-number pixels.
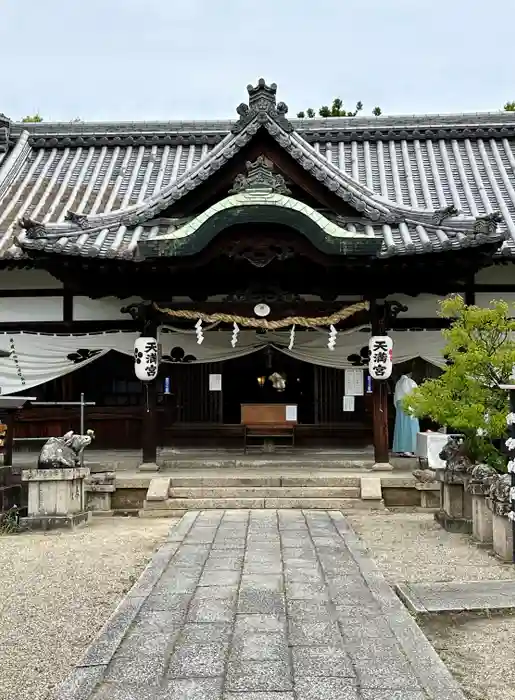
[{"x": 261, "y": 206}]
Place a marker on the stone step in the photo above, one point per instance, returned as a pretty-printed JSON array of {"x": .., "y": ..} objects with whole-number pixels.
[
  {"x": 262, "y": 481},
  {"x": 265, "y": 492},
  {"x": 178, "y": 504},
  {"x": 249, "y": 462}
]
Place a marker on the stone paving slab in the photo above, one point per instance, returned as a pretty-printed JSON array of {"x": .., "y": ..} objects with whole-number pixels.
[
  {"x": 466, "y": 596},
  {"x": 261, "y": 605}
]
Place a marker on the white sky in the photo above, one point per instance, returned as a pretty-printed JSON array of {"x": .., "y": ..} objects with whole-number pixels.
[{"x": 161, "y": 59}]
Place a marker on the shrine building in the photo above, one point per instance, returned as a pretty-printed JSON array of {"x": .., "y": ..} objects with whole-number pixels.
[{"x": 280, "y": 244}]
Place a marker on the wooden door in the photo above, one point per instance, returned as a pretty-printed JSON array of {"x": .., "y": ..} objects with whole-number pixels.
[{"x": 194, "y": 402}]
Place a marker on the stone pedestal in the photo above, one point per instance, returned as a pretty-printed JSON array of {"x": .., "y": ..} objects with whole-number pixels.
[
  {"x": 482, "y": 523},
  {"x": 148, "y": 467},
  {"x": 56, "y": 497},
  {"x": 99, "y": 487},
  {"x": 455, "y": 514},
  {"x": 502, "y": 533},
  {"x": 429, "y": 494},
  {"x": 382, "y": 467}
]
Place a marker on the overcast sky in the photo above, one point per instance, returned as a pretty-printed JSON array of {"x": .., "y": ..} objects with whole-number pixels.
[{"x": 163, "y": 59}]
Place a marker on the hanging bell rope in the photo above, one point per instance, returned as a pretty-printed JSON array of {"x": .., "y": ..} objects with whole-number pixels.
[{"x": 251, "y": 322}]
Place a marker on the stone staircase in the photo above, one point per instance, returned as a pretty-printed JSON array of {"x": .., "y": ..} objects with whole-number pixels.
[{"x": 173, "y": 496}]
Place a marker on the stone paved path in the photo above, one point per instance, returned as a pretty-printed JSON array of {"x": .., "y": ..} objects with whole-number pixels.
[
  {"x": 423, "y": 598},
  {"x": 261, "y": 605}
]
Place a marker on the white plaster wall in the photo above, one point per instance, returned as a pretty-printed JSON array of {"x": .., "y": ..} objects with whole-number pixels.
[
  {"x": 20, "y": 309},
  {"x": 28, "y": 279},
  {"x": 108, "y": 309},
  {"x": 483, "y": 299},
  {"x": 422, "y": 306},
  {"x": 497, "y": 274}
]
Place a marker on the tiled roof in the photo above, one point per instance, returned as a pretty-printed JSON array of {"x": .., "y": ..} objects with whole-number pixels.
[{"x": 395, "y": 171}]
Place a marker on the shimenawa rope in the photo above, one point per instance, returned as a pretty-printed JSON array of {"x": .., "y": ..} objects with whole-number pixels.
[{"x": 250, "y": 322}]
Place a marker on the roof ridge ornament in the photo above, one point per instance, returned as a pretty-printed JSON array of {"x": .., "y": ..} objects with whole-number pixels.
[
  {"x": 80, "y": 220},
  {"x": 486, "y": 225},
  {"x": 33, "y": 228},
  {"x": 260, "y": 177},
  {"x": 439, "y": 215},
  {"x": 262, "y": 104}
]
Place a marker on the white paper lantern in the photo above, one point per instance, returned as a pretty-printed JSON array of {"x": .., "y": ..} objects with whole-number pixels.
[
  {"x": 381, "y": 356},
  {"x": 146, "y": 360}
]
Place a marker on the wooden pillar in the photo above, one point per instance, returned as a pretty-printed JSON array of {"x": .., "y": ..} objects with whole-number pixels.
[
  {"x": 149, "y": 430},
  {"x": 379, "y": 395},
  {"x": 9, "y": 438},
  {"x": 149, "y": 423}
]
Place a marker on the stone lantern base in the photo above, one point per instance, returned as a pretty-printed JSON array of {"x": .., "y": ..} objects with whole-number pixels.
[
  {"x": 502, "y": 535},
  {"x": 482, "y": 518},
  {"x": 455, "y": 514},
  {"x": 56, "y": 498}
]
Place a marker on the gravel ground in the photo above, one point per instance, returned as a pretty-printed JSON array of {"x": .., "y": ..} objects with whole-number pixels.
[
  {"x": 57, "y": 590},
  {"x": 412, "y": 547}
]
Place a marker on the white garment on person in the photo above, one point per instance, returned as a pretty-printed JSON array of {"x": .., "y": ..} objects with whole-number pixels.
[{"x": 404, "y": 386}]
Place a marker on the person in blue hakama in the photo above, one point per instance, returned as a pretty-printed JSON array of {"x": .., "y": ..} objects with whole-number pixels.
[{"x": 406, "y": 426}]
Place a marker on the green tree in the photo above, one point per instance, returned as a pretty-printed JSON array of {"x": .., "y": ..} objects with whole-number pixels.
[
  {"x": 509, "y": 107},
  {"x": 34, "y": 118},
  {"x": 336, "y": 110},
  {"x": 467, "y": 398}
]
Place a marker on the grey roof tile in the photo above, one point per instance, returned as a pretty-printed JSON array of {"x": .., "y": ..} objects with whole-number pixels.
[{"x": 47, "y": 172}]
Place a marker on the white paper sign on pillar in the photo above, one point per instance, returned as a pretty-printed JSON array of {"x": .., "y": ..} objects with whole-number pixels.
[
  {"x": 215, "y": 382},
  {"x": 349, "y": 404},
  {"x": 354, "y": 382}
]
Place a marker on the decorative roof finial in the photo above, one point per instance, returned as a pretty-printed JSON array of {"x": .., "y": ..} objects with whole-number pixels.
[
  {"x": 261, "y": 177},
  {"x": 262, "y": 95},
  {"x": 440, "y": 215},
  {"x": 33, "y": 228},
  {"x": 262, "y": 104},
  {"x": 80, "y": 220},
  {"x": 487, "y": 225}
]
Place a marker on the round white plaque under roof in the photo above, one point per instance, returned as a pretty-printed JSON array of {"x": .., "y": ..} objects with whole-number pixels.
[{"x": 261, "y": 310}]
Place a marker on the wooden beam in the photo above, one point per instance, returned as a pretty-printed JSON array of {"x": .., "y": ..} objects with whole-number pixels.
[
  {"x": 24, "y": 293},
  {"x": 74, "y": 327},
  {"x": 494, "y": 288}
]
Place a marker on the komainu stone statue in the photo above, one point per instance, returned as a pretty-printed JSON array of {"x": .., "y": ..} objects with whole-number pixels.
[
  {"x": 500, "y": 494},
  {"x": 64, "y": 452},
  {"x": 482, "y": 477},
  {"x": 455, "y": 456},
  {"x": 425, "y": 476}
]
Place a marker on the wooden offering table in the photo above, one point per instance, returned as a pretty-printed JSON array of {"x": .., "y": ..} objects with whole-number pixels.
[{"x": 268, "y": 422}]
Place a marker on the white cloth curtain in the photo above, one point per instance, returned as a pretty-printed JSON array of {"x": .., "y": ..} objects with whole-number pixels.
[
  {"x": 309, "y": 346},
  {"x": 36, "y": 358},
  {"x": 216, "y": 346},
  {"x": 407, "y": 345}
]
